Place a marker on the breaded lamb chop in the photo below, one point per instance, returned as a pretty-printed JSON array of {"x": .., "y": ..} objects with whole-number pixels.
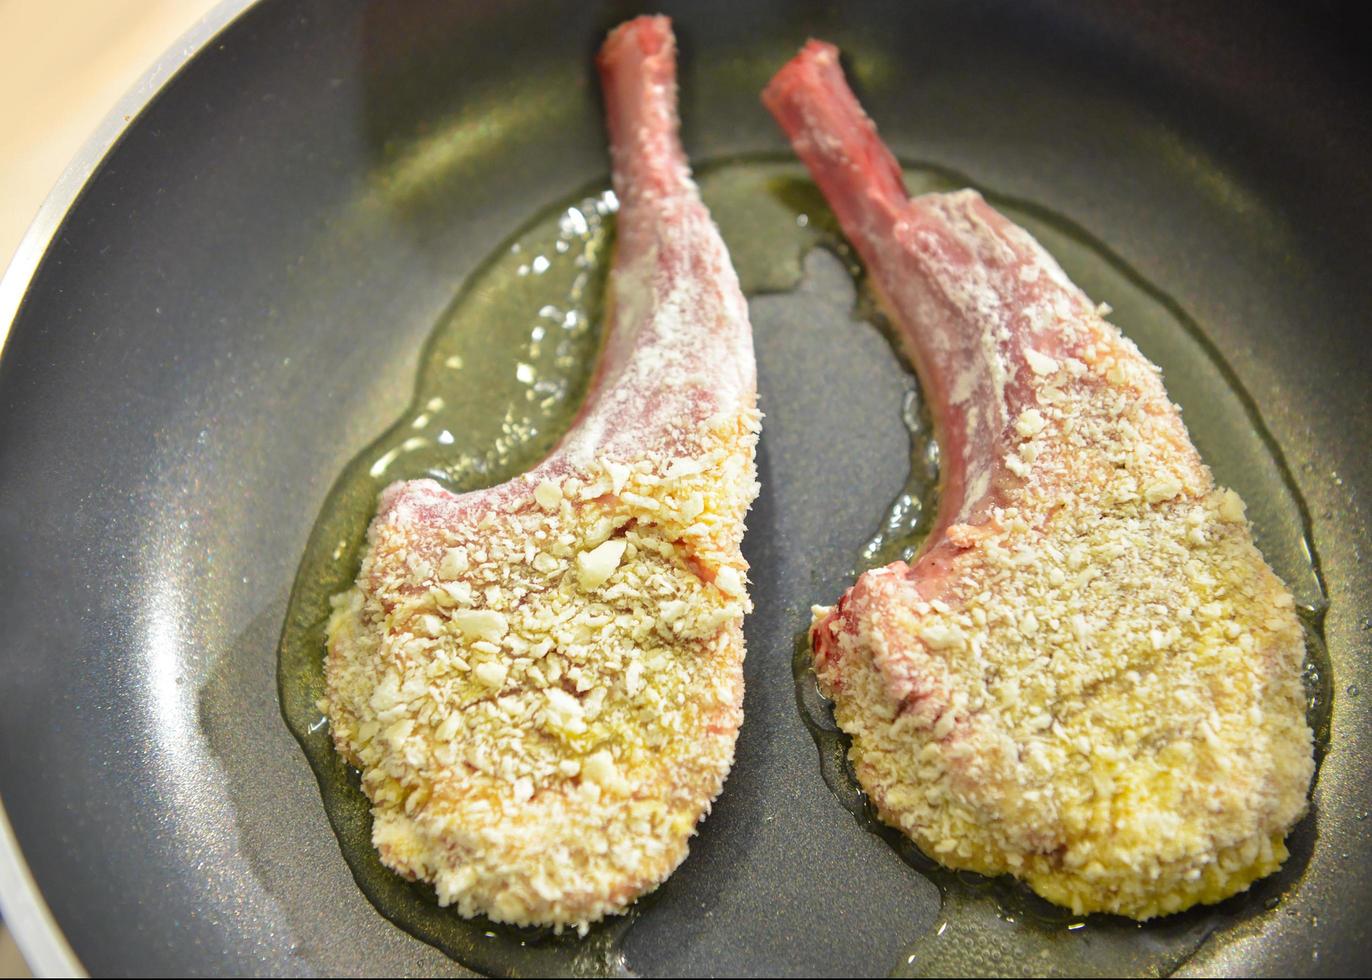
[
  {"x": 542, "y": 682},
  {"x": 1088, "y": 678}
]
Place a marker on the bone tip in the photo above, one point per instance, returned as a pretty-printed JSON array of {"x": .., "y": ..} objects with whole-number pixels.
[
  {"x": 815, "y": 55},
  {"x": 817, "y": 52},
  {"x": 650, "y": 33}
]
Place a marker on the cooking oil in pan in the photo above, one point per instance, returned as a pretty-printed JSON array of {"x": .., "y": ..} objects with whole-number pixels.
[{"x": 499, "y": 381}]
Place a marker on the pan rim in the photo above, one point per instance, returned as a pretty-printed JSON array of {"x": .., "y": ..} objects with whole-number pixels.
[{"x": 25, "y": 912}]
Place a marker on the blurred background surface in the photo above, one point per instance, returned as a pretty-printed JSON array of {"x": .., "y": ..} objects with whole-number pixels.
[{"x": 63, "y": 65}]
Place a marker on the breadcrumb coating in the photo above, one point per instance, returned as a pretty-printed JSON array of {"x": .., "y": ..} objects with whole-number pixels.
[
  {"x": 544, "y": 702},
  {"x": 1104, "y": 696}
]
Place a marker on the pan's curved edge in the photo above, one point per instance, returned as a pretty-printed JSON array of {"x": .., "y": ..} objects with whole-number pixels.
[
  {"x": 34, "y": 245},
  {"x": 26, "y": 913}
]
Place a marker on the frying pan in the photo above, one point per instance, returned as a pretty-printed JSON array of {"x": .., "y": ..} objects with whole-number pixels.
[{"x": 208, "y": 328}]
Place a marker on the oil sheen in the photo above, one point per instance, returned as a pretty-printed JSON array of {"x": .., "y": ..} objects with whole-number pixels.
[{"x": 498, "y": 383}]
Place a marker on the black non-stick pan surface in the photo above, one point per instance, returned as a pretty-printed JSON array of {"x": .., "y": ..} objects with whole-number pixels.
[{"x": 234, "y": 307}]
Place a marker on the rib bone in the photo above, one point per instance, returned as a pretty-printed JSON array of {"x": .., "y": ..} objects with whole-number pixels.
[
  {"x": 542, "y": 682},
  {"x": 1088, "y": 678}
]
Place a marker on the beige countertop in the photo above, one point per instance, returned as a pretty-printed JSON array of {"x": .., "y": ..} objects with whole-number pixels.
[{"x": 63, "y": 65}]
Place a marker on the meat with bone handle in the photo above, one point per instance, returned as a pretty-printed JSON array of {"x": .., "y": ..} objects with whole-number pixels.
[
  {"x": 1088, "y": 678},
  {"x": 542, "y": 682}
]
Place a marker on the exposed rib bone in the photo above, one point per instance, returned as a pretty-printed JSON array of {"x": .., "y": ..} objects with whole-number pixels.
[{"x": 1088, "y": 678}]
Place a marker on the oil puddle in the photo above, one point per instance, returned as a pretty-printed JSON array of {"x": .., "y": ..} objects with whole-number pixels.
[{"x": 498, "y": 383}]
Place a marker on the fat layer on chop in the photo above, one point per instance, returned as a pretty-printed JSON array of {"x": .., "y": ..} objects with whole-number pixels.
[
  {"x": 1089, "y": 678},
  {"x": 542, "y": 682}
]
